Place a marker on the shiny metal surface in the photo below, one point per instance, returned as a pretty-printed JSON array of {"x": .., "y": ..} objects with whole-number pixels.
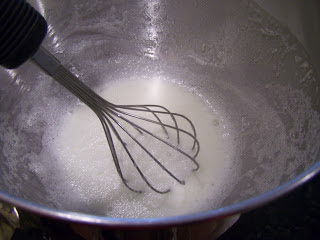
[{"x": 242, "y": 54}]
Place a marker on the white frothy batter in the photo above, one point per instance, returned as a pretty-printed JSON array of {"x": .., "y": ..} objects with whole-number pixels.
[{"x": 87, "y": 178}]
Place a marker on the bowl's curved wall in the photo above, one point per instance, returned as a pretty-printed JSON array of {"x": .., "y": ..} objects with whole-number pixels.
[{"x": 232, "y": 52}]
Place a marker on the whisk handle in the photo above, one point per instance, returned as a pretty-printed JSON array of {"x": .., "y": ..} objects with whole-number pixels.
[{"x": 22, "y": 30}]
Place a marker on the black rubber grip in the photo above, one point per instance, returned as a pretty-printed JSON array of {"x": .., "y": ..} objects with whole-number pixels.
[{"x": 22, "y": 30}]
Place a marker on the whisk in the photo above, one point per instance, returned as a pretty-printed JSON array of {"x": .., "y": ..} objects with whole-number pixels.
[{"x": 22, "y": 30}]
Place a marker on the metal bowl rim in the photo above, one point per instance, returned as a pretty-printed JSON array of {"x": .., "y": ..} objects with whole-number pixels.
[{"x": 225, "y": 211}]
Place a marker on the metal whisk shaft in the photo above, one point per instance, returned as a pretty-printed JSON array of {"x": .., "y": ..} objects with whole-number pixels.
[{"x": 113, "y": 116}]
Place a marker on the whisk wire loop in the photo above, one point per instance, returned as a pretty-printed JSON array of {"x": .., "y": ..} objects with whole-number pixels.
[{"x": 115, "y": 117}]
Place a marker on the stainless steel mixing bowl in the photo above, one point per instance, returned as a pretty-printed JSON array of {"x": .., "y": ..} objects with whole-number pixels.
[{"x": 259, "y": 60}]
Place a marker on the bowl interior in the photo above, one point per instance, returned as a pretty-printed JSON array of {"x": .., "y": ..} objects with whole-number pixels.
[{"x": 231, "y": 52}]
